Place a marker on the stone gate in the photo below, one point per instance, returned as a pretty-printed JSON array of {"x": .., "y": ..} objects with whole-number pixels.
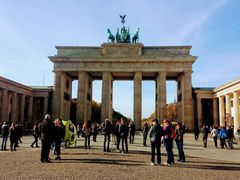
[{"x": 122, "y": 61}]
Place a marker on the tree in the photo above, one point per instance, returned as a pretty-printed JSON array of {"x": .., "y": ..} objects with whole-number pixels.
[{"x": 172, "y": 111}]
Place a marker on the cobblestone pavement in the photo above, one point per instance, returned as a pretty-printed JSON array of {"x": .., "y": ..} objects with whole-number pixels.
[{"x": 78, "y": 163}]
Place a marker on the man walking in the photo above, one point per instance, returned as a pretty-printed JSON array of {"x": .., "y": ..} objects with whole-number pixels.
[
  {"x": 205, "y": 131},
  {"x": 107, "y": 129}
]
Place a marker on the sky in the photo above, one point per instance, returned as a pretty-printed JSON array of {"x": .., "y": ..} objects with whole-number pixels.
[{"x": 30, "y": 30}]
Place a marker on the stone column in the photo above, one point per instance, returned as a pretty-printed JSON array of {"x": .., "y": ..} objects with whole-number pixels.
[
  {"x": 14, "y": 107},
  {"x": 199, "y": 112},
  {"x": 236, "y": 111},
  {"x": 215, "y": 112},
  {"x": 137, "y": 99},
  {"x": 188, "y": 101},
  {"x": 228, "y": 109},
  {"x": 161, "y": 108},
  {"x": 89, "y": 98},
  {"x": 30, "y": 109},
  {"x": 221, "y": 111},
  {"x": 4, "y": 105},
  {"x": 57, "y": 95},
  {"x": 81, "y": 97},
  {"x": 106, "y": 105},
  {"x": 45, "y": 104},
  {"x": 22, "y": 108}
]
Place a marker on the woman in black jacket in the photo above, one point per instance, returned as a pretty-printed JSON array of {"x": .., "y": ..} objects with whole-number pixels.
[
  {"x": 179, "y": 141},
  {"x": 59, "y": 133},
  {"x": 13, "y": 137}
]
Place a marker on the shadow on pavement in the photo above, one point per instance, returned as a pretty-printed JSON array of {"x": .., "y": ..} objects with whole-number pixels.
[
  {"x": 103, "y": 161},
  {"x": 220, "y": 163},
  {"x": 98, "y": 154},
  {"x": 210, "y": 167}
]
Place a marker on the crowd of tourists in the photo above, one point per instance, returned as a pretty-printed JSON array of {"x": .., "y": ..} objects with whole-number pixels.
[
  {"x": 121, "y": 134},
  {"x": 225, "y": 135},
  {"x": 118, "y": 133},
  {"x": 12, "y": 132}
]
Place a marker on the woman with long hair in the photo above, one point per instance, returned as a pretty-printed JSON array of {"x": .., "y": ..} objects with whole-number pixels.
[
  {"x": 168, "y": 142},
  {"x": 179, "y": 141},
  {"x": 59, "y": 133},
  {"x": 13, "y": 137},
  {"x": 87, "y": 132}
]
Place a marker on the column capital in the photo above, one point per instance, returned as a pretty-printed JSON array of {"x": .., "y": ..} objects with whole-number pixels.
[
  {"x": 229, "y": 94},
  {"x": 137, "y": 73},
  {"x": 236, "y": 92},
  {"x": 188, "y": 71},
  {"x": 107, "y": 72},
  {"x": 162, "y": 72}
]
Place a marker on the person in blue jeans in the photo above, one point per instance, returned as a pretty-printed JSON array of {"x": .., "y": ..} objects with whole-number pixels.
[
  {"x": 168, "y": 142},
  {"x": 179, "y": 141},
  {"x": 5, "y": 133}
]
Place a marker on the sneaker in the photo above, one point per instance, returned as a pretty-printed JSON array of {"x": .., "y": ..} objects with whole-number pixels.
[
  {"x": 159, "y": 164},
  {"x": 152, "y": 164},
  {"x": 118, "y": 150},
  {"x": 32, "y": 146},
  {"x": 166, "y": 164}
]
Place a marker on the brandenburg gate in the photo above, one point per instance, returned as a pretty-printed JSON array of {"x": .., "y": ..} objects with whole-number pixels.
[
  {"x": 122, "y": 58},
  {"x": 122, "y": 61}
]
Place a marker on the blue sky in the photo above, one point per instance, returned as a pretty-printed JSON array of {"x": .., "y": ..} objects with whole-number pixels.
[{"x": 29, "y": 30}]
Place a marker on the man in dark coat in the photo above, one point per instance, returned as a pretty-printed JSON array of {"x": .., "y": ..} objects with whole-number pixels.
[
  {"x": 107, "y": 130},
  {"x": 155, "y": 134},
  {"x": 47, "y": 128}
]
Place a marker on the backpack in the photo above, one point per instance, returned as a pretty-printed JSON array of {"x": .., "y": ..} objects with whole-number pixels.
[
  {"x": 173, "y": 133},
  {"x": 223, "y": 134}
]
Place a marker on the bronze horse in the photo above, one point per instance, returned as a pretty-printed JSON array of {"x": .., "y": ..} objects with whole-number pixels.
[
  {"x": 135, "y": 38},
  {"x": 110, "y": 36}
]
